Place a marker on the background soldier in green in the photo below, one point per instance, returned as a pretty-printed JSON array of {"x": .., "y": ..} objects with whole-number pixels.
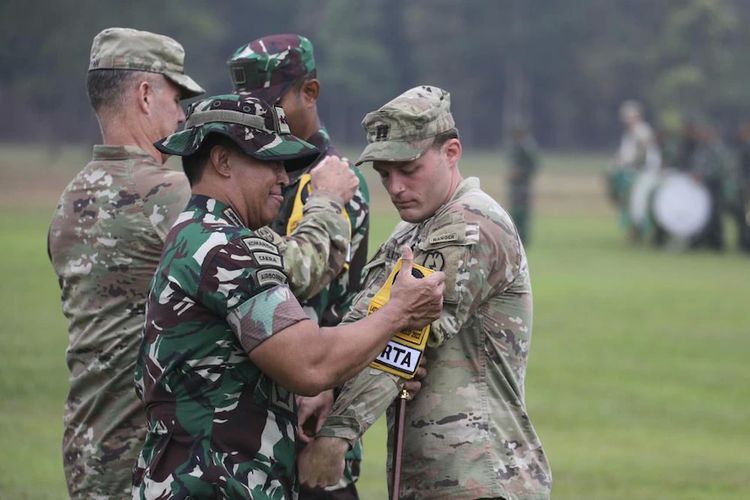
[
  {"x": 106, "y": 237},
  {"x": 280, "y": 69},
  {"x": 467, "y": 433},
  {"x": 104, "y": 242},
  {"x": 225, "y": 343},
  {"x": 523, "y": 156}
]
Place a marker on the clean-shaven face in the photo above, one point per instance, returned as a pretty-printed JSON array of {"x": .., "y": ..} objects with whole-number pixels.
[{"x": 417, "y": 188}]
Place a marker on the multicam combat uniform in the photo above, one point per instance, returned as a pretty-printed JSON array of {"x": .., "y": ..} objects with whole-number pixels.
[
  {"x": 104, "y": 242},
  {"x": 217, "y": 426},
  {"x": 467, "y": 433}
]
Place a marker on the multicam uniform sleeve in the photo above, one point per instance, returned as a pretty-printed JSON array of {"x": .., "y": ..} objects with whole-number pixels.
[
  {"x": 316, "y": 250},
  {"x": 164, "y": 194},
  {"x": 244, "y": 283}
]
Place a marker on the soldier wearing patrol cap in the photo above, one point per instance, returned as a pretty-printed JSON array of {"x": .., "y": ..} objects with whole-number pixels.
[
  {"x": 467, "y": 434},
  {"x": 225, "y": 343},
  {"x": 281, "y": 69},
  {"x": 104, "y": 242}
]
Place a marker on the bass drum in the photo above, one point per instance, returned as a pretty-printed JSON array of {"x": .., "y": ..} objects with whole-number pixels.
[
  {"x": 682, "y": 205},
  {"x": 640, "y": 196}
]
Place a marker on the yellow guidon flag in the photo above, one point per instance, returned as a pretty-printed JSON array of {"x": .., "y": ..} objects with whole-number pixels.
[
  {"x": 402, "y": 354},
  {"x": 300, "y": 198}
]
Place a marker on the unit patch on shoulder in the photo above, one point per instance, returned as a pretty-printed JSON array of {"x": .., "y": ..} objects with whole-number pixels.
[
  {"x": 268, "y": 259},
  {"x": 434, "y": 260},
  {"x": 255, "y": 244},
  {"x": 270, "y": 277}
]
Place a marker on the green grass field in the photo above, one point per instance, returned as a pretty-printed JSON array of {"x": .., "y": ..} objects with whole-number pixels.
[{"x": 638, "y": 382}]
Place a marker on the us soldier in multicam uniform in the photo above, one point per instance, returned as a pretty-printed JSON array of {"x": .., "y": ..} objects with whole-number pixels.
[
  {"x": 226, "y": 344},
  {"x": 280, "y": 69},
  {"x": 106, "y": 237},
  {"x": 467, "y": 432}
]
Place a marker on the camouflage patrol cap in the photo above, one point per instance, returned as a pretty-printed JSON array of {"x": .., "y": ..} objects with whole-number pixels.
[
  {"x": 404, "y": 128},
  {"x": 129, "y": 49},
  {"x": 269, "y": 65},
  {"x": 259, "y": 130}
]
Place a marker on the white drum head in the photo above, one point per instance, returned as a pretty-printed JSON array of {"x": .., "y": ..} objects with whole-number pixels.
[{"x": 682, "y": 205}]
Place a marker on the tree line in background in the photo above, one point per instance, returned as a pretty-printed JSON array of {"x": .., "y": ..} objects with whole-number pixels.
[{"x": 560, "y": 67}]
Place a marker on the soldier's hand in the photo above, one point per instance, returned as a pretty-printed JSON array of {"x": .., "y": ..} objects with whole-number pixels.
[
  {"x": 312, "y": 413},
  {"x": 414, "y": 385},
  {"x": 333, "y": 177},
  {"x": 321, "y": 463},
  {"x": 419, "y": 300}
]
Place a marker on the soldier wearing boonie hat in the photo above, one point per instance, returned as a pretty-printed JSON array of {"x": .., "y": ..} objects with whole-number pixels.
[
  {"x": 104, "y": 242},
  {"x": 467, "y": 434},
  {"x": 225, "y": 342},
  {"x": 281, "y": 69}
]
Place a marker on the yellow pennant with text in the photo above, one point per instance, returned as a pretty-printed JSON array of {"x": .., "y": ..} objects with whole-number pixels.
[{"x": 405, "y": 349}]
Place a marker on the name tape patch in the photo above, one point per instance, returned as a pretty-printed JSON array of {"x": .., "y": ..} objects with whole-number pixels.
[{"x": 399, "y": 357}]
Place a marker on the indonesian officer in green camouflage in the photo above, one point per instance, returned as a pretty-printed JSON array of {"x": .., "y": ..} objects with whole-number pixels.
[
  {"x": 281, "y": 69},
  {"x": 467, "y": 432},
  {"x": 106, "y": 236},
  {"x": 226, "y": 345}
]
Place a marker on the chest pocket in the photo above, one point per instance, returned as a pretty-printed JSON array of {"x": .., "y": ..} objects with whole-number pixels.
[{"x": 448, "y": 250}]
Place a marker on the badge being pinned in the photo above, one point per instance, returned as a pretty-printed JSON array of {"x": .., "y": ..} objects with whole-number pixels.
[{"x": 402, "y": 354}]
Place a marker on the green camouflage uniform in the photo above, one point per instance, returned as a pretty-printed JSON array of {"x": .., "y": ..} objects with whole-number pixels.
[
  {"x": 217, "y": 426},
  {"x": 467, "y": 432},
  {"x": 266, "y": 68},
  {"x": 104, "y": 242}
]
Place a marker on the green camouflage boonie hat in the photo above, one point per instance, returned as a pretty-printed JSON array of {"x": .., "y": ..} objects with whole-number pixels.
[
  {"x": 259, "y": 130},
  {"x": 125, "y": 48},
  {"x": 404, "y": 128},
  {"x": 266, "y": 67}
]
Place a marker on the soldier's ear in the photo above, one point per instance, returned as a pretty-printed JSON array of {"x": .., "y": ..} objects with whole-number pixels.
[
  {"x": 310, "y": 91},
  {"x": 219, "y": 160},
  {"x": 452, "y": 150}
]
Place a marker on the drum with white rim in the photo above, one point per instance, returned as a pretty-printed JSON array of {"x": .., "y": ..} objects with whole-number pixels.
[{"x": 681, "y": 205}]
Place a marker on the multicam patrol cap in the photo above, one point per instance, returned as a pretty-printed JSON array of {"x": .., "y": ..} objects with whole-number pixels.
[
  {"x": 260, "y": 130},
  {"x": 404, "y": 128},
  {"x": 125, "y": 48},
  {"x": 269, "y": 65}
]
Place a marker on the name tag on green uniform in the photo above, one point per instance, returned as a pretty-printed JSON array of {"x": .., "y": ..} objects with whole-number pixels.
[{"x": 402, "y": 354}]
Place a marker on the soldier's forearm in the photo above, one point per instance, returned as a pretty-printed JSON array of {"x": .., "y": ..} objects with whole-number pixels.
[
  {"x": 314, "y": 254},
  {"x": 362, "y": 400}
]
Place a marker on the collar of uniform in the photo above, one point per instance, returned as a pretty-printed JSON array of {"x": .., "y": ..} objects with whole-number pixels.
[
  {"x": 216, "y": 208},
  {"x": 466, "y": 185},
  {"x": 109, "y": 152},
  {"x": 320, "y": 140}
]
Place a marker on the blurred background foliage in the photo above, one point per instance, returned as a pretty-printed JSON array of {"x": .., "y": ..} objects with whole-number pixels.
[{"x": 561, "y": 66}]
